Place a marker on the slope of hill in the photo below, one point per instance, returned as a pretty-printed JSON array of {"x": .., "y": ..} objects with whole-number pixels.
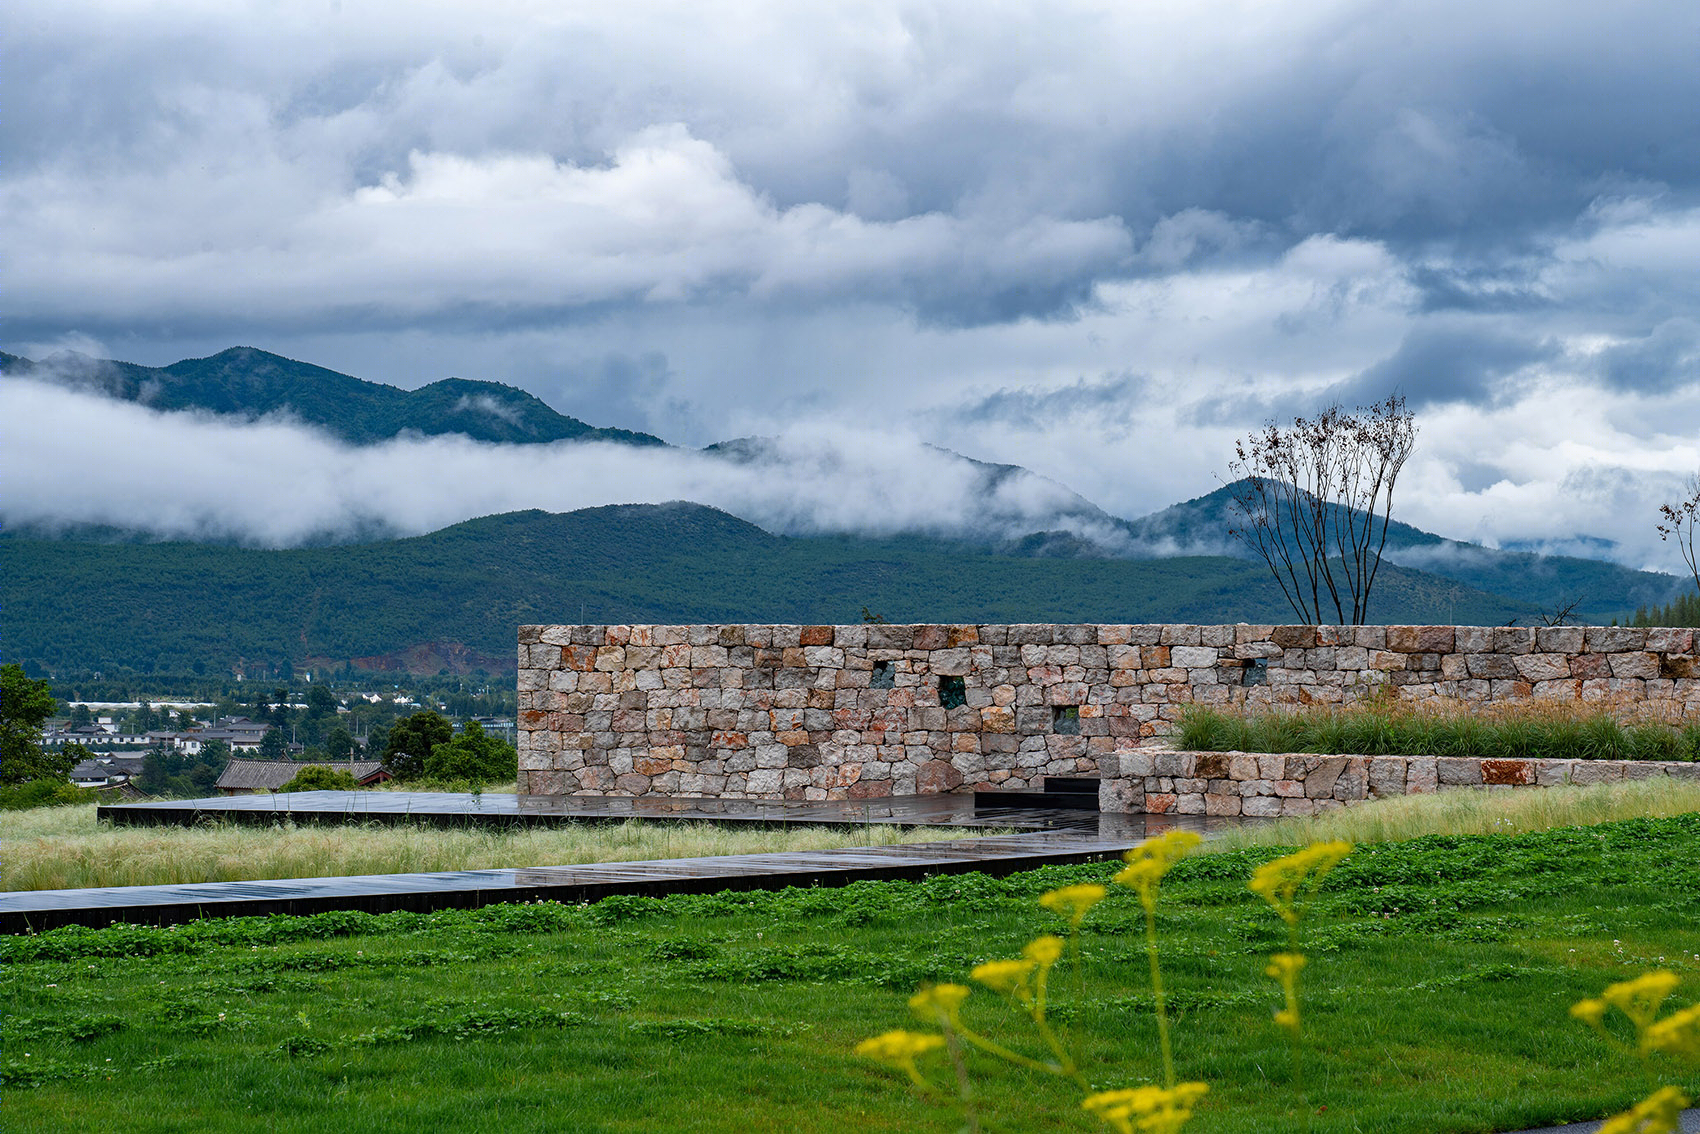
[
  {"x": 251, "y": 383},
  {"x": 451, "y": 599},
  {"x": 1602, "y": 591}
]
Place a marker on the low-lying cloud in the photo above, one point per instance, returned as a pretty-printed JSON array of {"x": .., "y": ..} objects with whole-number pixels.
[{"x": 278, "y": 483}]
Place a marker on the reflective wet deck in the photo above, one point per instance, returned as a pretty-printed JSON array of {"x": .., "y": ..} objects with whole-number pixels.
[
  {"x": 464, "y": 809},
  {"x": 1046, "y": 837}
]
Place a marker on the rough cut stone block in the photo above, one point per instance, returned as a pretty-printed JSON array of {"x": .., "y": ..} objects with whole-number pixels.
[
  {"x": 1454, "y": 770},
  {"x": 1193, "y": 657},
  {"x": 1264, "y": 806},
  {"x": 1422, "y": 775},
  {"x": 1670, "y": 640},
  {"x": 1319, "y": 783},
  {"x": 1634, "y": 664},
  {"x": 1387, "y": 775},
  {"x": 1552, "y": 773},
  {"x": 1293, "y": 637},
  {"x": 1513, "y": 772},
  {"x": 1542, "y": 667},
  {"x": 1596, "y": 771},
  {"x": 1121, "y": 796},
  {"x": 1615, "y": 639},
  {"x": 1216, "y": 804}
]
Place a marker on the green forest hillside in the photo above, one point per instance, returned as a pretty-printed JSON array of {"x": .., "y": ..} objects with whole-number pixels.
[
  {"x": 452, "y": 599},
  {"x": 252, "y": 383}
]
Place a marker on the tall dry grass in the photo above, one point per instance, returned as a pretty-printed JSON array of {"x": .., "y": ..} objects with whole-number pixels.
[
  {"x": 54, "y": 848},
  {"x": 1538, "y": 728},
  {"x": 1473, "y": 811}
]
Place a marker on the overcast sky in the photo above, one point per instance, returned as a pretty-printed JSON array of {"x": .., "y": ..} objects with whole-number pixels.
[{"x": 1098, "y": 241}]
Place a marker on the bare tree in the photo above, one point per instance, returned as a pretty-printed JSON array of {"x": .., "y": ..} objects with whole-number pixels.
[
  {"x": 1681, "y": 519},
  {"x": 1315, "y": 502}
]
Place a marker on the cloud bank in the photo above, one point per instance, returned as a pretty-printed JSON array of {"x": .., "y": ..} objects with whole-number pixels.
[{"x": 1098, "y": 240}]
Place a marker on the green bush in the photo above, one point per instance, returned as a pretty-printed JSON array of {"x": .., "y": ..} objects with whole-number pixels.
[
  {"x": 473, "y": 755},
  {"x": 317, "y": 777},
  {"x": 42, "y": 793}
]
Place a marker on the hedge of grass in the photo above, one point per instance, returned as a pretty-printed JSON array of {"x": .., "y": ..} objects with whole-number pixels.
[{"x": 1533, "y": 730}]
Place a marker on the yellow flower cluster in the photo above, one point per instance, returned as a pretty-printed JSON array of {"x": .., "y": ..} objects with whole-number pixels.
[
  {"x": 1677, "y": 1035},
  {"x": 1147, "y": 1110},
  {"x": 900, "y": 1049},
  {"x": 1150, "y": 860},
  {"x": 1640, "y": 1000},
  {"x": 1658, "y": 1113},
  {"x": 939, "y": 1003},
  {"x": 1287, "y": 882},
  {"x": 1011, "y": 977},
  {"x": 1074, "y": 902}
]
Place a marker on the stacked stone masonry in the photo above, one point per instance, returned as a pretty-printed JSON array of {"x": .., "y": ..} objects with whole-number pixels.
[
  {"x": 831, "y": 712},
  {"x": 1252, "y": 783}
]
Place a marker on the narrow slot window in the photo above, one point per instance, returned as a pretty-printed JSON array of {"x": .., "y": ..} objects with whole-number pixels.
[
  {"x": 953, "y": 692},
  {"x": 1065, "y": 720},
  {"x": 884, "y": 676}
]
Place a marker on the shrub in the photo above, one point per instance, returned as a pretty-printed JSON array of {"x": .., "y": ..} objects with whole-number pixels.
[
  {"x": 317, "y": 777},
  {"x": 473, "y": 755},
  {"x": 41, "y": 793}
]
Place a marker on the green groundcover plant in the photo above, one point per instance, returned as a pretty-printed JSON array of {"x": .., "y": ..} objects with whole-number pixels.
[
  {"x": 1534, "y": 729},
  {"x": 1439, "y": 973}
]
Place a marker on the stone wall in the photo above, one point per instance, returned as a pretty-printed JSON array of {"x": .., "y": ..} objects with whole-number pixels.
[
  {"x": 1249, "y": 783},
  {"x": 819, "y": 712}
]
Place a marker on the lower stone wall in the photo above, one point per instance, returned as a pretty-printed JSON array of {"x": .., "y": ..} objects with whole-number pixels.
[{"x": 1159, "y": 781}]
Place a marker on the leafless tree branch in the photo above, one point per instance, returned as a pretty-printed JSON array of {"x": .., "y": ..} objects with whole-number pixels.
[{"x": 1315, "y": 503}]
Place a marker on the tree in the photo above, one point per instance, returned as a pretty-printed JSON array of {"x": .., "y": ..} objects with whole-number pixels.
[
  {"x": 411, "y": 740},
  {"x": 272, "y": 745},
  {"x": 1315, "y": 501},
  {"x": 473, "y": 755},
  {"x": 1680, "y": 520},
  {"x": 25, "y": 705},
  {"x": 80, "y": 715},
  {"x": 317, "y": 777},
  {"x": 339, "y": 745}
]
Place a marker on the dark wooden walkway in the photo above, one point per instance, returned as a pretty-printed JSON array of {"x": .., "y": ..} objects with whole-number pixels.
[{"x": 1090, "y": 838}]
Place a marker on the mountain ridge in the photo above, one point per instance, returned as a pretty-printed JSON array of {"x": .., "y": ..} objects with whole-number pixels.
[{"x": 250, "y": 383}]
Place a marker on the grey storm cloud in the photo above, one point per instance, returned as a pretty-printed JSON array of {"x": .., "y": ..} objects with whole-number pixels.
[
  {"x": 1441, "y": 363},
  {"x": 729, "y": 218}
]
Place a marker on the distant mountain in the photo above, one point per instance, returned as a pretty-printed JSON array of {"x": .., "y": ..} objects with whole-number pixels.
[
  {"x": 451, "y": 599},
  {"x": 250, "y": 383},
  {"x": 1601, "y": 591}
]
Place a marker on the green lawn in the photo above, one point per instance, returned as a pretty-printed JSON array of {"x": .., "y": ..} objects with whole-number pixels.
[{"x": 1441, "y": 973}]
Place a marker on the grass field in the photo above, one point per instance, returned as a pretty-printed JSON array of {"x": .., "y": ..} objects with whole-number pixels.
[
  {"x": 53, "y": 848},
  {"x": 1472, "y": 812},
  {"x": 1441, "y": 972}
]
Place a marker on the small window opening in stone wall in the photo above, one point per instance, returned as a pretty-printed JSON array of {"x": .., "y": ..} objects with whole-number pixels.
[
  {"x": 1255, "y": 672},
  {"x": 884, "y": 676},
  {"x": 953, "y": 692},
  {"x": 1065, "y": 720}
]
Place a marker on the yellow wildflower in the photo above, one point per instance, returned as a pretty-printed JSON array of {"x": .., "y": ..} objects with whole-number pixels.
[
  {"x": 1074, "y": 902},
  {"x": 1591, "y": 1011},
  {"x": 1639, "y": 999},
  {"x": 1044, "y": 950},
  {"x": 1658, "y": 1113},
  {"x": 1147, "y": 1110},
  {"x": 1006, "y": 976},
  {"x": 900, "y": 1049},
  {"x": 1280, "y": 882},
  {"x": 1150, "y": 860},
  {"x": 939, "y": 1003},
  {"x": 1677, "y": 1035}
]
